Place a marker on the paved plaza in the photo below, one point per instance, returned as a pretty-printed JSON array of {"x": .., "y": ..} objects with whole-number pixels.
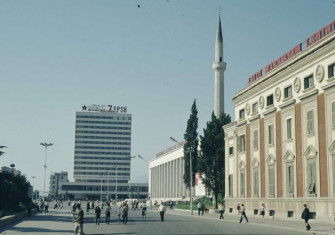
[{"x": 177, "y": 222}]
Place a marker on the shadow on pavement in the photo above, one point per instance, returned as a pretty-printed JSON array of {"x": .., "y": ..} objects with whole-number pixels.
[{"x": 38, "y": 230}]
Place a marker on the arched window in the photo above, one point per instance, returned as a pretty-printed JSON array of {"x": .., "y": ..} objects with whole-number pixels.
[
  {"x": 242, "y": 178},
  {"x": 289, "y": 162},
  {"x": 311, "y": 156},
  {"x": 271, "y": 175}
]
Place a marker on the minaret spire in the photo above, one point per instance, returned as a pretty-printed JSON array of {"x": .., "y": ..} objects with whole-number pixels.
[{"x": 219, "y": 66}]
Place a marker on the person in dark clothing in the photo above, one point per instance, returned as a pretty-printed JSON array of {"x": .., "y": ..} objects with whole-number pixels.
[
  {"x": 108, "y": 214},
  {"x": 97, "y": 215},
  {"x": 125, "y": 209},
  {"x": 306, "y": 216},
  {"x": 202, "y": 209},
  {"x": 87, "y": 207}
]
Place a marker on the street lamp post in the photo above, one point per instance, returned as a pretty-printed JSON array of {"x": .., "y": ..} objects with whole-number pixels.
[
  {"x": 191, "y": 174},
  {"x": 45, "y": 145},
  {"x": 33, "y": 177}
]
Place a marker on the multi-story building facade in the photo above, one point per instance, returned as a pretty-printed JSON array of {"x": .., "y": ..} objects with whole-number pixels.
[
  {"x": 281, "y": 148},
  {"x": 56, "y": 179},
  {"x": 102, "y": 154}
]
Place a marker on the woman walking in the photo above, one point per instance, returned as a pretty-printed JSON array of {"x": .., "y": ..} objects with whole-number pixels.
[
  {"x": 162, "y": 210},
  {"x": 306, "y": 216},
  {"x": 262, "y": 211}
]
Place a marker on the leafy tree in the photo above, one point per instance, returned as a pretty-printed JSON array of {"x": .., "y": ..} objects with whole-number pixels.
[
  {"x": 212, "y": 162},
  {"x": 14, "y": 190},
  {"x": 191, "y": 145}
]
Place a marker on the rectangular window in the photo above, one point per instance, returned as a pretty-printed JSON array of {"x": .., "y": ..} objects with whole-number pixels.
[
  {"x": 230, "y": 177},
  {"x": 254, "y": 108},
  {"x": 289, "y": 129},
  {"x": 311, "y": 176},
  {"x": 308, "y": 82},
  {"x": 242, "y": 115},
  {"x": 255, "y": 139},
  {"x": 310, "y": 122},
  {"x": 290, "y": 180},
  {"x": 269, "y": 100},
  {"x": 241, "y": 143},
  {"x": 271, "y": 183},
  {"x": 333, "y": 114},
  {"x": 271, "y": 135},
  {"x": 231, "y": 150},
  {"x": 255, "y": 182},
  {"x": 331, "y": 70},
  {"x": 288, "y": 92},
  {"x": 242, "y": 185}
]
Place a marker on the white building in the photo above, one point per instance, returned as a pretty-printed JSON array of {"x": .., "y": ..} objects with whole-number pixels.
[
  {"x": 166, "y": 175},
  {"x": 281, "y": 148},
  {"x": 102, "y": 154},
  {"x": 56, "y": 179}
]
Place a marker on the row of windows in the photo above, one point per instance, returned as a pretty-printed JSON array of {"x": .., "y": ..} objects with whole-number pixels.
[
  {"x": 104, "y": 127},
  {"x": 102, "y": 163},
  {"x": 308, "y": 83},
  {"x": 103, "y": 132},
  {"x": 104, "y": 188},
  {"x": 103, "y": 181},
  {"x": 101, "y": 137},
  {"x": 98, "y": 168},
  {"x": 102, "y": 153},
  {"x": 95, "y": 147},
  {"x": 103, "y": 122},
  {"x": 98, "y": 173},
  {"x": 103, "y": 117},
  {"x": 310, "y": 129},
  {"x": 310, "y": 173},
  {"x": 101, "y": 142},
  {"x": 104, "y": 158}
]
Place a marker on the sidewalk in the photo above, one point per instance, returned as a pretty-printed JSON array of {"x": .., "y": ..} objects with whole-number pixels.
[{"x": 317, "y": 228}]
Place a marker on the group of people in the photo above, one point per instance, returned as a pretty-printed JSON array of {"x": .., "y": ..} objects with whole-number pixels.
[{"x": 306, "y": 215}]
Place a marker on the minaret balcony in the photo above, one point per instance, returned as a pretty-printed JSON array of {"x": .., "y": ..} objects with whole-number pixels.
[{"x": 219, "y": 65}]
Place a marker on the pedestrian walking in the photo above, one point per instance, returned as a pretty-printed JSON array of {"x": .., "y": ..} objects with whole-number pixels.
[
  {"x": 97, "y": 215},
  {"x": 199, "y": 208},
  {"x": 79, "y": 221},
  {"x": 202, "y": 208},
  {"x": 46, "y": 207},
  {"x": 125, "y": 210},
  {"x": 221, "y": 210},
  {"x": 243, "y": 214},
  {"x": 262, "y": 211},
  {"x": 87, "y": 207},
  {"x": 306, "y": 216},
  {"x": 162, "y": 210},
  {"x": 108, "y": 214},
  {"x": 144, "y": 210}
]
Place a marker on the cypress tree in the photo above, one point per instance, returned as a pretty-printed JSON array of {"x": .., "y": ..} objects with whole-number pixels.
[
  {"x": 191, "y": 145},
  {"x": 212, "y": 162}
]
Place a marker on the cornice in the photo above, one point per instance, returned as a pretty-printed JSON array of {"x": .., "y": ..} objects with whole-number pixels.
[
  {"x": 229, "y": 125},
  {"x": 253, "y": 118},
  {"x": 309, "y": 94},
  {"x": 241, "y": 123},
  {"x": 279, "y": 76},
  {"x": 287, "y": 103},
  {"x": 329, "y": 85},
  {"x": 270, "y": 111}
]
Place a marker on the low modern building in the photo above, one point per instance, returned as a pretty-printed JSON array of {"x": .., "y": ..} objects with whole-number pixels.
[
  {"x": 281, "y": 148},
  {"x": 56, "y": 179},
  {"x": 166, "y": 173}
]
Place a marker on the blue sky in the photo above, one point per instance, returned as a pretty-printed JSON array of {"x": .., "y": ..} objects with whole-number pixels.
[{"x": 58, "y": 55}]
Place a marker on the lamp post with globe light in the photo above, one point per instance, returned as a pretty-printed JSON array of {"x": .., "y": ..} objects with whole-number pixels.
[{"x": 45, "y": 145}]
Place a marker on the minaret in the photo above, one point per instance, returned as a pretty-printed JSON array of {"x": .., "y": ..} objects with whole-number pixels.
[{"x": 219, "y": 67}]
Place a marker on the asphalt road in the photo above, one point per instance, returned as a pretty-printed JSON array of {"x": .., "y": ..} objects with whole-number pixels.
[{"x": 60, "y": 222}]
